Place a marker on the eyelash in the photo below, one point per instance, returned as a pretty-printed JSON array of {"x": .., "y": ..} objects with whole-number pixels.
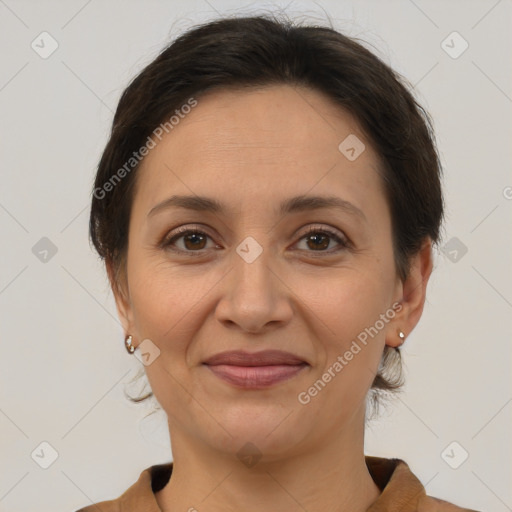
[{"x": 183, "y": 231}]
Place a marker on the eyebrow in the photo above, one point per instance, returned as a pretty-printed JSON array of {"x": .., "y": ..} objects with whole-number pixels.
[{"x": 291, "y": 205}]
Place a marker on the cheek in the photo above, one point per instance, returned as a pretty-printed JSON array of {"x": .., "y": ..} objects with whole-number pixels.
[
  {"x": 167, "y": 302},
  {"x": 350, "y": 302},
  {"x": 350, "y": 352},
  {"x": 170, "y": 301},
  {"x": 166, "y": 299},
  {"x": 354, "y": 347},
  {"x": 354, "y": 308}
]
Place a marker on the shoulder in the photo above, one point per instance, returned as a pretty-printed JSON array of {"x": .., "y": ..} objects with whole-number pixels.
[
  {"x": 402, "y": 490},
  {"x": 140, "y": 495}
]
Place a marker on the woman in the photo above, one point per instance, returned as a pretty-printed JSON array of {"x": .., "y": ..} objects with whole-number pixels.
[{"x": 266, "y": 208}]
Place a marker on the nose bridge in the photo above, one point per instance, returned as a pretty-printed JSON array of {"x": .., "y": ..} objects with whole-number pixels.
[
  {"x": 252, "y": 261},
  {"x": 253, "y": 295}
]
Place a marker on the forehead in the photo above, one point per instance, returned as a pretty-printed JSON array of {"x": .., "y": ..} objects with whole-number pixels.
[{"x": 258, "y": 140}]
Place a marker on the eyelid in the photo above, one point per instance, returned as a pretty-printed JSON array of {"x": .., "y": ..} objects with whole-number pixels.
[
  {"x": 177, "y": 233},
  {"x": 343, "y": 241},
  {"x": 314, "y": 228}
]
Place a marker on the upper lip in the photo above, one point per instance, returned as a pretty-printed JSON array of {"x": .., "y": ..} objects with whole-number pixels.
[{"x": 263, "y": 358}]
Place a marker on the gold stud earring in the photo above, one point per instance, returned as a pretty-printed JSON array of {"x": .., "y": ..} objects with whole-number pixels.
[{"x": 128, "y": 344}]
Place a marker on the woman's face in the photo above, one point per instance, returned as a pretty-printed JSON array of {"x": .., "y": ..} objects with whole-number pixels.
[{"x": 254, "y": 279}]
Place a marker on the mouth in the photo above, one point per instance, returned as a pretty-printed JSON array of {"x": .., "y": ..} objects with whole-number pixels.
[
  {"x": 256, "y": 377},
  {"x": 255, "y": 370}
]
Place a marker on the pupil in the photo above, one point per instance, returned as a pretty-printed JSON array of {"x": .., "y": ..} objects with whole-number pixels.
[
  {"x": 315, "y": 237},
  {"x": 193, "y": 236}
]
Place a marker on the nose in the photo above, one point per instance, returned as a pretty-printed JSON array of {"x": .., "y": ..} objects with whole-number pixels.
[{"x": 254, "y": 296}]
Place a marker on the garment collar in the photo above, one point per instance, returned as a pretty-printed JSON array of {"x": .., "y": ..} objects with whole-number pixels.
[{"x": 400, "y": 489}]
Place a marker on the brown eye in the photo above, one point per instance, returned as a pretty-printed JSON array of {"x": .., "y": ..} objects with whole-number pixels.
[
  {"x": 193, "y": 240},
  {"x": 318, "y": 240}
]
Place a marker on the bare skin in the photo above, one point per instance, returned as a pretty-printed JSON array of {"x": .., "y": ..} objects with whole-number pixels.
[{"x": 251, "y": 150}]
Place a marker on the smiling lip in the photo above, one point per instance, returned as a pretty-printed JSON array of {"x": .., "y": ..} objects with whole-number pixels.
[{"x": 255, "y": 370}]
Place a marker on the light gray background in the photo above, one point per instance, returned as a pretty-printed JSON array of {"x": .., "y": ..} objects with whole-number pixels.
[{"x": 62, "y": 360}]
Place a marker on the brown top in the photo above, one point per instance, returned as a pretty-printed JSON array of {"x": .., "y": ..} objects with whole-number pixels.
[{"x": 401, "y": 491}]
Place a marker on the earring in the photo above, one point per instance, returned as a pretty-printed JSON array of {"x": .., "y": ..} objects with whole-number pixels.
[
  {"x": 401, "y": 335},
  {"x": 128, "y": 344}
]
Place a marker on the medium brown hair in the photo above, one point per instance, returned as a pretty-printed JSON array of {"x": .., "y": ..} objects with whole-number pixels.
[{"x": 256, "y": 51}]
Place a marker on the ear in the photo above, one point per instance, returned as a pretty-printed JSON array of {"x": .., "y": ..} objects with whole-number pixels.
[
  {"x": 413, "y": 294},
  {"x": 120, "y": 290}
]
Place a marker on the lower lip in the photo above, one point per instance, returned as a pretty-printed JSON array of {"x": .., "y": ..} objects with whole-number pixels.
[{"x": 254, "y": 377}]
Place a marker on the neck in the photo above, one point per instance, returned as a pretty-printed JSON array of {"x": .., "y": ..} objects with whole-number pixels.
[{"x": 326, "y": 476}]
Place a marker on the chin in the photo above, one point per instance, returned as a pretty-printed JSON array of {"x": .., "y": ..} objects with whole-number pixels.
[{"x": 266, "y": 435}]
